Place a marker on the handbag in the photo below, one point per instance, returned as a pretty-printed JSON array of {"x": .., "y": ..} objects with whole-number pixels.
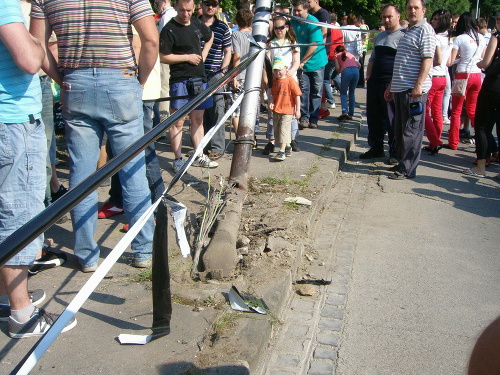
[{"x": 459, "y": 85}]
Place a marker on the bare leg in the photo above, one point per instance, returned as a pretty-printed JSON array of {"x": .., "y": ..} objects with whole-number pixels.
[
  {"x": 176, "y": 137},
  {"x": 480, "y": 168},
  {"x": 103, "y": 157},
  {"x": 197, "y": 131},
  {"x": 54, "y": 181},
  {"x": 235, "y": 121},
  {"x": 14, "y": 283}
]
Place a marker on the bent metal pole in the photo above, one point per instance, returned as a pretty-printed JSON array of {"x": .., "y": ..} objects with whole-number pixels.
[
  {"x": 220, "y": 257},
  {"x": 248, "y": 113}
]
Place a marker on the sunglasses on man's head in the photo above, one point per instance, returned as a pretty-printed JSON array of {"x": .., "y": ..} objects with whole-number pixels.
[
  {"x": 210, "y": 4},
  {"x": 279, "y": 27}
]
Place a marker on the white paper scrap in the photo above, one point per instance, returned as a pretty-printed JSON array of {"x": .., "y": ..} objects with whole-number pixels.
[
  {"x": 299, "y": 200},
  {"x": 125, "y": 338},
  {"x": 179, "y": 215}
]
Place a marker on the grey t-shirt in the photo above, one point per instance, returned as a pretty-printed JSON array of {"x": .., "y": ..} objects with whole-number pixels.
[
  {"x": 241, "y": 45},
  {"x": 384, "y": 52}
]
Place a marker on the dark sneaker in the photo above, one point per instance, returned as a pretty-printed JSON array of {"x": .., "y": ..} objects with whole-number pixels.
[
  {"x": 177, "y": 164},
  {"x": 268, "y": 149},
  {"x": 288, "y": 151},
  {"x": 59, "y": 193},
  {"x": 39, "y": 323},
  {"x": 280, "y": 156},
  {"x": 49, "y": 259},
  {"x": 313, "y": 125},
  {"x": 392, "y": 161},
  {"x": 37, "y": 296},
  {"x": 107, "y": 210},
  {"x": 303, "y": 124},
  {"x": 372, "y": 154},
  {"x": 214, "y": 155},
  {"x": 295, "y": 145}
]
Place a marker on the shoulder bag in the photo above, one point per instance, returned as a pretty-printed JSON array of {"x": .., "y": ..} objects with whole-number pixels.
[{"x": 459, "y": 85}]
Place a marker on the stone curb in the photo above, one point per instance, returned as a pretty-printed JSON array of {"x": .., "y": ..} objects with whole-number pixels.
[{"x": 258, "y": 331}]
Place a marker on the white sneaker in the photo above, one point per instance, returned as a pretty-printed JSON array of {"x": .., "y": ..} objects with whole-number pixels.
[
  {"x": 204, "y": 162},
  {"x": 332, "y": 106},
  {"x": 177, "y": 164}
]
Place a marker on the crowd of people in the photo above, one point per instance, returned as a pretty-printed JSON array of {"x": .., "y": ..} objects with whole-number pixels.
[{"x": 110, "y": 81}]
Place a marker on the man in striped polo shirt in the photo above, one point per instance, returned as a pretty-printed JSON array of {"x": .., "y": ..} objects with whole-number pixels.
[
  {"x": 101, "y": 91},
  {"x": 218, "y": 59},
  {"x": 409, "y": 87}
]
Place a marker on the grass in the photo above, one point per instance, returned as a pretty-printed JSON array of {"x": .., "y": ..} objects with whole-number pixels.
[
  {"x": 226, "y": 321},
  {"x": 293, "y": 205},
  {"x": 286, "y": 180},
  {"x": 143, "y": 276}
]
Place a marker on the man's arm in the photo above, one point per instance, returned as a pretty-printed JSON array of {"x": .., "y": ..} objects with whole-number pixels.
[
  {"x": 26, "y": 51},
  {"x": 41, "y": 29},
  {"x": 227, "y": 57},
  {"x": 369, "y": 70},
  {"x": 206, "y": 47},
  {"x": 148, "y": 35},
  {"x": 309, "y": 52},
  {"x": 424, "y": 72}
]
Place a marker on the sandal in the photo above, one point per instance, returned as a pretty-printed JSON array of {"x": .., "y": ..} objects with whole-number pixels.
[{"x": 470, "y": 172}]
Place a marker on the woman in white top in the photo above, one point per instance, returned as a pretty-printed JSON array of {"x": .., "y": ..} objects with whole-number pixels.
[
  {"x": 352, "y": 38},
  {"x": 440, "y": 21},
  {"x": 281, "y": 39},
  {"x": 469, "y": 44}
]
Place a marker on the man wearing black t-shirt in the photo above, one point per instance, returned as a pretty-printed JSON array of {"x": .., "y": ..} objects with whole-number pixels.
[{"x": 180, "y": 46}]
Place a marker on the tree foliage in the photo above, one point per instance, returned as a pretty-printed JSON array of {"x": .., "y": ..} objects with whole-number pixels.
[{"x": 370, "y": 9}]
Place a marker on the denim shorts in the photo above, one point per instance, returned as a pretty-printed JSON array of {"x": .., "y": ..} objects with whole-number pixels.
[
  {"x": 23, "y": 153},
  {"x": 180, "y": 89}
]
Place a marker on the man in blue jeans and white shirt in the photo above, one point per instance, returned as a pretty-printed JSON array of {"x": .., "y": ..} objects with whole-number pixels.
[
  {"x": 23, "y": 150},
  {"x": 101, "y": 91}
]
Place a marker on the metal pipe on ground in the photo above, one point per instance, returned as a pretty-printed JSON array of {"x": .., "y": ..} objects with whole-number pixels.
[{"x": 220, "y": 257}]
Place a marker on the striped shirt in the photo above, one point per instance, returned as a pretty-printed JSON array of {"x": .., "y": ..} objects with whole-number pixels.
[
  {"x": 222, "y": 39},
  {"x": 20, "y": 93},
  {"x": 418, "y": 43},
  {"x": 93, "y": 33}
]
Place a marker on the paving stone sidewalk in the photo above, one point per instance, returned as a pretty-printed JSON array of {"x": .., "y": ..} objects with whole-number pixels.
[{"x": 310, "y": 336}]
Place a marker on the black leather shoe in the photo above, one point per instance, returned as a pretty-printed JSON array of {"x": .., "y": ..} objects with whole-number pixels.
[
  {"x": 372, "y": 154},
  {"x": 435, "y": 150},
  {"x": 394, "y": 168}
]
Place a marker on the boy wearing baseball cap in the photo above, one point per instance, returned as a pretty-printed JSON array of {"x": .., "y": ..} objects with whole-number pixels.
[{"x": 285, "y": 103}]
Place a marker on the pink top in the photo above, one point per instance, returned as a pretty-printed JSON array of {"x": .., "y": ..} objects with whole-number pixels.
[{"x": 349, "y": 61}]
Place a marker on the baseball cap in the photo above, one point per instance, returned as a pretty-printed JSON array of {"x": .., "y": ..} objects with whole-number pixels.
[{"x": 278, "y": 63}]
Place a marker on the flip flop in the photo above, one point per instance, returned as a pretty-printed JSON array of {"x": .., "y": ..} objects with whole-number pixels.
[{"x": 470, "y": 172}]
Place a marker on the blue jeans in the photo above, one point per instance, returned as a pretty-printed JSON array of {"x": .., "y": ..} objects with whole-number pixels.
[
  {"x": 23, "y": 153},
  {"x": 329, "y": 72},
  {"x": 311, "y": 84},
  {"x": 48, "y": 121},
  {"x": 103, "y": 100},
  {"x": 348, "y": 82},
  {"x": 153, "y": 171}
]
